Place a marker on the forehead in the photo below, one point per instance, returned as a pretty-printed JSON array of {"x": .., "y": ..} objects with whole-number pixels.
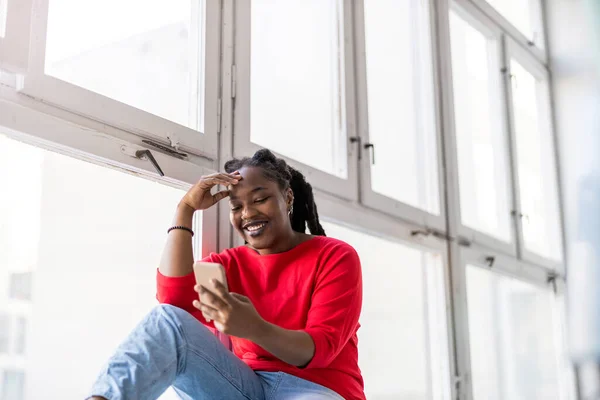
[{"x": 252, "y": 178}]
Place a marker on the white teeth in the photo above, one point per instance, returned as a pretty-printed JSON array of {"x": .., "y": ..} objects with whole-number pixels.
[{"x": 253, "y": 228}]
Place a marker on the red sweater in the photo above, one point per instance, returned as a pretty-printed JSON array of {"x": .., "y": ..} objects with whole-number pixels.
[{"x": 315, "y": 287}]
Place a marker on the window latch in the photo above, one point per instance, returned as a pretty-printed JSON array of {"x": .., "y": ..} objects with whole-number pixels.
[{"x": 371, "y": 147}]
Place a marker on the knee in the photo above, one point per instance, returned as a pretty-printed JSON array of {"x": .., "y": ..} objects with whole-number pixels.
[{"x": 171, "y": 312}]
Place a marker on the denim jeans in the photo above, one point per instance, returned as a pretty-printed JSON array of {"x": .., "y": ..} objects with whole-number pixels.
[{"x": 171, "y": 348}]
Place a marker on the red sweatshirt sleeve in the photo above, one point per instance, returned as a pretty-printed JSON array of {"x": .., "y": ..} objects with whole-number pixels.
[
  {"x": 336, "y": 305},
  {"x": 179, "y": 292}
]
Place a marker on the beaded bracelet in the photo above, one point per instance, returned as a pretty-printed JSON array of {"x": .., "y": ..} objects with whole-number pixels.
[{"x": 183, "y": 228}]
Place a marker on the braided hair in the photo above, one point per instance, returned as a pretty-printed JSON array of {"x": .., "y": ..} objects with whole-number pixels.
[{"x": 276, "y": 169}]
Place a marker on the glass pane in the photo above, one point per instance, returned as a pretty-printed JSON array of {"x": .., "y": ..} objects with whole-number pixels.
[
  {"x": 401, "y": 102},
  {"x": 151, "y": 58},
  {"x": 481, "y": 139},
  {"x": 515, "y": 348},
  {"x": 297, "y": 81},
  {"x": 526, "y": 16},
  {"x": 403, "y": 338},
  {"x": 13, "y": 387},
  {"x": 95, "y": 236},
  {"x": 20, "y": 286},
  {"x": 536, "y": 165}
]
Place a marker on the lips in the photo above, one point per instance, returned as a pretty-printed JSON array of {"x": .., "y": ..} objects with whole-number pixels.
[{"x": 254, "y": 228}]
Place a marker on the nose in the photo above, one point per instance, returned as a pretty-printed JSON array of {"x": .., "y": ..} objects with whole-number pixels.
[{"x": 248, "y": 212}]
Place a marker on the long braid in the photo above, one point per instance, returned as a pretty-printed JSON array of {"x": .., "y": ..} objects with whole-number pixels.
[{"x": 276, "y": 169}]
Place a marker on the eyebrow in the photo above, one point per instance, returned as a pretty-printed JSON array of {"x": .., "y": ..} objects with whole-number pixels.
[{"x": 256, "y": 189}]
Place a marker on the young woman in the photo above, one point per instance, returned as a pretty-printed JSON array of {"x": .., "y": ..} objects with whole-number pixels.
[{"x": 292, "y": 308}]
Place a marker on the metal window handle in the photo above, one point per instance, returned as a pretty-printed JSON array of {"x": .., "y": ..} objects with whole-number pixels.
[
  {"x": 147, "y": 155},
  {"x": 371, "y": 147}
]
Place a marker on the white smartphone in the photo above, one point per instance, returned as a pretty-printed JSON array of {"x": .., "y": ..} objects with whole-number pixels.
[{"x": 204, "y": 272}]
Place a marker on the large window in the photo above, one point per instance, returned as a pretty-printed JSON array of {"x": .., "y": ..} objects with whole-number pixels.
[
  {"x": 481, "y": 135},
  {"x": 87, "y": 239},
  {"x": 297, "y": 81},
  {"x": 401, "y": 103},
  {"x": 540, "y": 216},
  {"x": 151, "y": 57},
  {"x": 517, "y": 352},
  {"x": 403, "y": 352}
]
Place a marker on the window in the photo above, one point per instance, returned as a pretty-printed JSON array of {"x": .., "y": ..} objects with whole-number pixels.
[
  {"x": 92, "y": 237},
  {"x": 536, "y": 164},
  {"x": 526, "y": 16},
  {"x": 151, "y": 58},
  {"x": 515, "y": 349},
  {"x": 297, "y": 100},
  {"x": 401, "y": 104},
  {"x": 13, "y": 385},
  {"x": 403, "y": 336},
  {"x": 481, "y": 138}
]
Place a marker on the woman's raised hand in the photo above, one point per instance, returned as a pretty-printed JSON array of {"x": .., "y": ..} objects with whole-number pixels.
[{"x": 199, "y": 196}]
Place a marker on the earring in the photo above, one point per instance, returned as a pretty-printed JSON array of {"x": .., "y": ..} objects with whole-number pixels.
[{"x": 291, "y": 210}]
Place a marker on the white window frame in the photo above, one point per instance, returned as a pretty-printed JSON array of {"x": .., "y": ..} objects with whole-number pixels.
[
  {"x": 243, "y": 146},
  {"x": 375, "y": 223},
  {"x": 500, "y": 264},
  {"x": 84, "y": 102},
  {"x": 60, "y": 131},
  {"x": 14, "y": 45},
  {"x": 532, "y": 65},
  {"x": 369, "y": 197},
  {"x": 540, "y": 53},
  {"x": 466, "y": 10}
]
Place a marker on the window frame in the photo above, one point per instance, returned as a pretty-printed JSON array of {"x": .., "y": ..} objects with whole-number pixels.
[
  {"x": 56, "y": 130},
  {"x": 513, "y": 51},
  {"x": 369, "y": 197},
  {"x": 468, "y": 12},
  {"x": 14, "y": 45},
  {"x": 540, "y": 53},
  {"x": 85, "y": 102},
  {"x": 241, "y": 91}
]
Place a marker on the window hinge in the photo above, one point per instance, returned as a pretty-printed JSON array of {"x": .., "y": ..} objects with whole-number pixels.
[
  {"x": 233, "y": 81},
  {"x": 219, "y": 112},
  {"x": 170, "y": 150}
]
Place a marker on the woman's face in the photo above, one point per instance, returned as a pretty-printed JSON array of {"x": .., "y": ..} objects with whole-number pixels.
[{"x": 259, "y": 210}]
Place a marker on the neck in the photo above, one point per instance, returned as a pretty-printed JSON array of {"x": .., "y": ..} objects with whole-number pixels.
[{"x": 288, "y": 242}]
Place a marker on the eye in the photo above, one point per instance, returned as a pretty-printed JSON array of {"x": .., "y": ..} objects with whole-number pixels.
[
  {"x": 262, "y": 200},
  {"x": 235, "y": 208}
]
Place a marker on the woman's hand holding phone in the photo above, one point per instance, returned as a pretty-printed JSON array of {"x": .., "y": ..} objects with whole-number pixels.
[{"x": 233, "y": 313}]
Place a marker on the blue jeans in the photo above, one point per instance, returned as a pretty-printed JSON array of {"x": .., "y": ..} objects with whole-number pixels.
[{"x": 171, "y": 348}]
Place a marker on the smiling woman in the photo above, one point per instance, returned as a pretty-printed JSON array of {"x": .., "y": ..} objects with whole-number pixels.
[{"x": 292, "y": 312}]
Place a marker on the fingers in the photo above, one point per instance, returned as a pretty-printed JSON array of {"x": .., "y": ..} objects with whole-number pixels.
[
  {"x": 240, "y": 297},
  {"x": 217, "y": 197},
  {"x": 208, "y": 312},
  {"x": 211, "y": 299},
  {"x": 222, "y": 291}
]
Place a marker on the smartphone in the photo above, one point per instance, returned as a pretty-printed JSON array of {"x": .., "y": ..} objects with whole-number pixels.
[{"x": 204, "y": 272}]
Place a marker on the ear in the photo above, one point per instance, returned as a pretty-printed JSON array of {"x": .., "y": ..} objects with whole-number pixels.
[{"x": 289, "y": 197}]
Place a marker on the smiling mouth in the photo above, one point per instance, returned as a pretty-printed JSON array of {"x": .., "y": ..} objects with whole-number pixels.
[{"x": 255, "y": 228}]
